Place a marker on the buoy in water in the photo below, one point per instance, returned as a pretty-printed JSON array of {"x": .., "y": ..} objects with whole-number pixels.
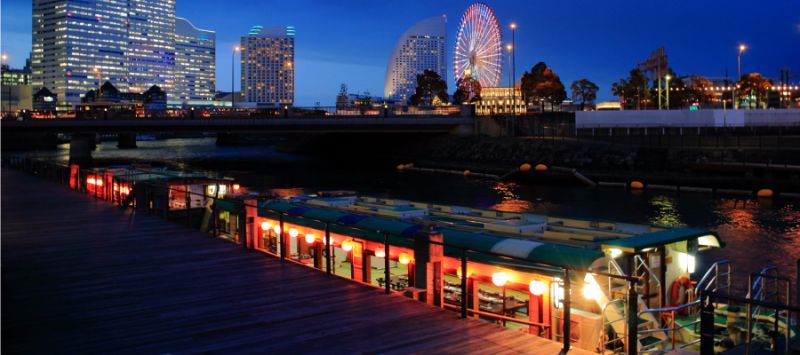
[
  {"x": 765, "y": 193},
  {"x": 638, "y": 185},
  {"x": 525, "y": 168},
  {"x": 466, "y": 172},
  {"x": 541, "y": 167}
]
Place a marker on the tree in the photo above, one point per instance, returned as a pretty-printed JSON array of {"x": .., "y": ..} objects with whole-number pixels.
[
  {"x": 429, "y": 85},
  {"x": 677, "y": 91},
  {"x": 468, "y": 90},
  {"x": 584, "y": 91},
  {"x": 542, "y": 85},
  {"x": 753, "y": 87},
  {"x": 700, "y": 90},
  {"x": 632, "y": 89}
]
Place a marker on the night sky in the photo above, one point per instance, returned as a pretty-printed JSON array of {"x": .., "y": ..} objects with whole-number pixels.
[{"x": 349, "y": 42}]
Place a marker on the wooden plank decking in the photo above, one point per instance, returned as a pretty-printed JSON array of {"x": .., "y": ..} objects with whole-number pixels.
[{"x": 82, "y": 277}]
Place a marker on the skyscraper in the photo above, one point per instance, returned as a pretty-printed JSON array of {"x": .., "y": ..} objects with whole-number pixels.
[
  {"x": 78, "y": 44},
  {"x": 195, "y": 67},
  {"x": 151, "y": 45},
  {"x": 420, "y": 48},
  {"x": 268, "y": 66}
]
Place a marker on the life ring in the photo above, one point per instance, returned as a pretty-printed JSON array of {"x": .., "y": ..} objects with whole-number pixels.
[{"x": 678, "y": 290}]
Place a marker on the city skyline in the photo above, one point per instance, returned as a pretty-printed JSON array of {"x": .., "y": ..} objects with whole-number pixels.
[{"x": 327, "y": 56}]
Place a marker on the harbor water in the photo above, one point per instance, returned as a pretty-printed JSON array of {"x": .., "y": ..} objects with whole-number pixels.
[{"x": 757, "y": 232}]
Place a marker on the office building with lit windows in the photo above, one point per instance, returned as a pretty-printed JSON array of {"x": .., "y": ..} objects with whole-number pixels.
[
  {"x": 151, "y": 45},
  {"x": 78, "y": 44},
  {"x": 195, "y": 67},
  {"x": 268, "y": 66},
  {"x": 420, "y": 48}
]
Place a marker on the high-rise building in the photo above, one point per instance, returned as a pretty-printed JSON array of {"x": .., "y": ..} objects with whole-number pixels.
[
  {"x": 420, "y": 48},
  {"x": 78, "y": 44},
  {"x": 151, "y": 45},
  {"x": 16, "y": 91},
  {"x": 268, "y": 66},
  {"x": 195, "y": 67}
]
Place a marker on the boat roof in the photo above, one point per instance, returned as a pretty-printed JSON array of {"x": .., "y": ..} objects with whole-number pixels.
[
  {"x": 654, "y": 239},
  {"x": 373, "y": 228}
]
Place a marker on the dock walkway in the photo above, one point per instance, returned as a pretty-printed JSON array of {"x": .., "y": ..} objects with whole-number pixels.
[{"x": 80, "y": 277}]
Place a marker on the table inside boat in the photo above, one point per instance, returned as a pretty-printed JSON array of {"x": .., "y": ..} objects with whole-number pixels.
[{"x": 489, "y": 301}]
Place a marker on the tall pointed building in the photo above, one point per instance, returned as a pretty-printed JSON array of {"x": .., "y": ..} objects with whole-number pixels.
[{"x": 420, "y": 48}]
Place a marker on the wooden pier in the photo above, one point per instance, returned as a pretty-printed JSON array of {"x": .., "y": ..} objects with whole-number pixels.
[{"x": 80, "y": 276}]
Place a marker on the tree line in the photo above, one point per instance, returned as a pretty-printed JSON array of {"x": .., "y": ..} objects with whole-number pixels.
[{"x": 541, "y": 86}]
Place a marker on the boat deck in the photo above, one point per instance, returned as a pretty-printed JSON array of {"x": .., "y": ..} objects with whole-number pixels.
[{"x": 80, "y": 276}]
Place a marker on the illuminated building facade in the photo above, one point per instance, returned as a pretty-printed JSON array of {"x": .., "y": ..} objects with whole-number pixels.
[
  {"x": 268, "y": 66},
  {"x": 195, "y": 67},
  {"x": 151, "y": 45},
  {"x": 78, "y": 44},
  {"x": 420, "y": 48},
  {"x": 499, "y": 101}
]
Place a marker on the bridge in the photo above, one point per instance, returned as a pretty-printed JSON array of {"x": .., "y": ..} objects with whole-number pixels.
[{"x": 83, "y": 131}]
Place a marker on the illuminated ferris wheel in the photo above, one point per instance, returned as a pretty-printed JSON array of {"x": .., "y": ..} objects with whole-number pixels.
[{"x": 479, "y": 51}]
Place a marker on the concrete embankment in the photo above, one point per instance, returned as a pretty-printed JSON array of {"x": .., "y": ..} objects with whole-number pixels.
[{"x": 589, "y": 164}]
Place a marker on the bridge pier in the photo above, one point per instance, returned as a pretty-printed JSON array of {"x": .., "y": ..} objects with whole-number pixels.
[
  {"x": 126, "y": 140},
  {"x": 80, "y": 148}
]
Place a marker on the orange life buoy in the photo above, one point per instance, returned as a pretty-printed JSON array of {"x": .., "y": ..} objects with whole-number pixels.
[{"x": 678, "y": 290}]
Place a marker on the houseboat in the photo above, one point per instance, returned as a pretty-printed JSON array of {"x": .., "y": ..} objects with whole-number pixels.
[{"x": 596, "y": 285}]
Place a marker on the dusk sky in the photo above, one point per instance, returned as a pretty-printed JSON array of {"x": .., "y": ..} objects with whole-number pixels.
[{"x": 350, "y": 41}]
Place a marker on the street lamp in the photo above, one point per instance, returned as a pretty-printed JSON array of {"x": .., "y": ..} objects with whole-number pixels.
[
  {"x": 510, "y": 48},
  {"x": 742, "y": 48},
  {"x": 99, "y": 82},
  {"x": 668, "y": 77},
  {"x": 513, "y": 67},
  {"x": 233, "y": 75}
]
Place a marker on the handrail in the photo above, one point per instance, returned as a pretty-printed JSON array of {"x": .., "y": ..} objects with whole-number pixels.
[
  {"x": 603, "y": 341},
  {"x": 642, "y": 264},
  {"x": 760, "y": 282},
  {"x": 713, "y": 280}
]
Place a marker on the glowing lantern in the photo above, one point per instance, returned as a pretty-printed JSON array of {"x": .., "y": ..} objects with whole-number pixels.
[
  {"x": 310, "y": 238},
  {"x": 380, "y": 253},
  {"x": 277, "y": 229},
  {"x": 614, "y": 253},
  {"x": 90, "y": 181},
  {"x": 404, "y": 258},
  {"x": 499, "y": 279},
  {"x": 591, "y": 290},
  {"x": 537, "y": 287},
  {"x": 293, "y": 233},
  {"x": 99, "y": 182},
  {"x": 236, "y": 187},
  {"x": 265, "y": 226},
  {"x": 347, "y": 246}
]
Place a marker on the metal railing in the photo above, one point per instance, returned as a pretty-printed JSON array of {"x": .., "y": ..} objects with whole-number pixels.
[
  {"x": 640, "y": 269},
  {"x": 153, "y": 198},
  {"x": 710, "y": 280}
]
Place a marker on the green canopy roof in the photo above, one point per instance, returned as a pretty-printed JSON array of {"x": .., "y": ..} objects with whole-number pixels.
[{"x": 649, "y": 240}]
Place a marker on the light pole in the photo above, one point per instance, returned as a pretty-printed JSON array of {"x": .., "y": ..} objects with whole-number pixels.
[
  {"x": 233, "y": 75},
  {"x": 510, "y": 49},
  {"x": 6, "y": 97},
  {"x": 513, "y": 67},
  {"x": 742, "y": 48},
  {"x": 99, "y": 82},
  {"x": 668, "y": 77}
]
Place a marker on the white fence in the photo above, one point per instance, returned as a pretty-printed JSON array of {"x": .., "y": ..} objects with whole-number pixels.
[{"x": 686, "y": 118}]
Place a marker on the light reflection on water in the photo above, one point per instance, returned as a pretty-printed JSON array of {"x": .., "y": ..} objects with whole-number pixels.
[{"x": 757, "y": 232}]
